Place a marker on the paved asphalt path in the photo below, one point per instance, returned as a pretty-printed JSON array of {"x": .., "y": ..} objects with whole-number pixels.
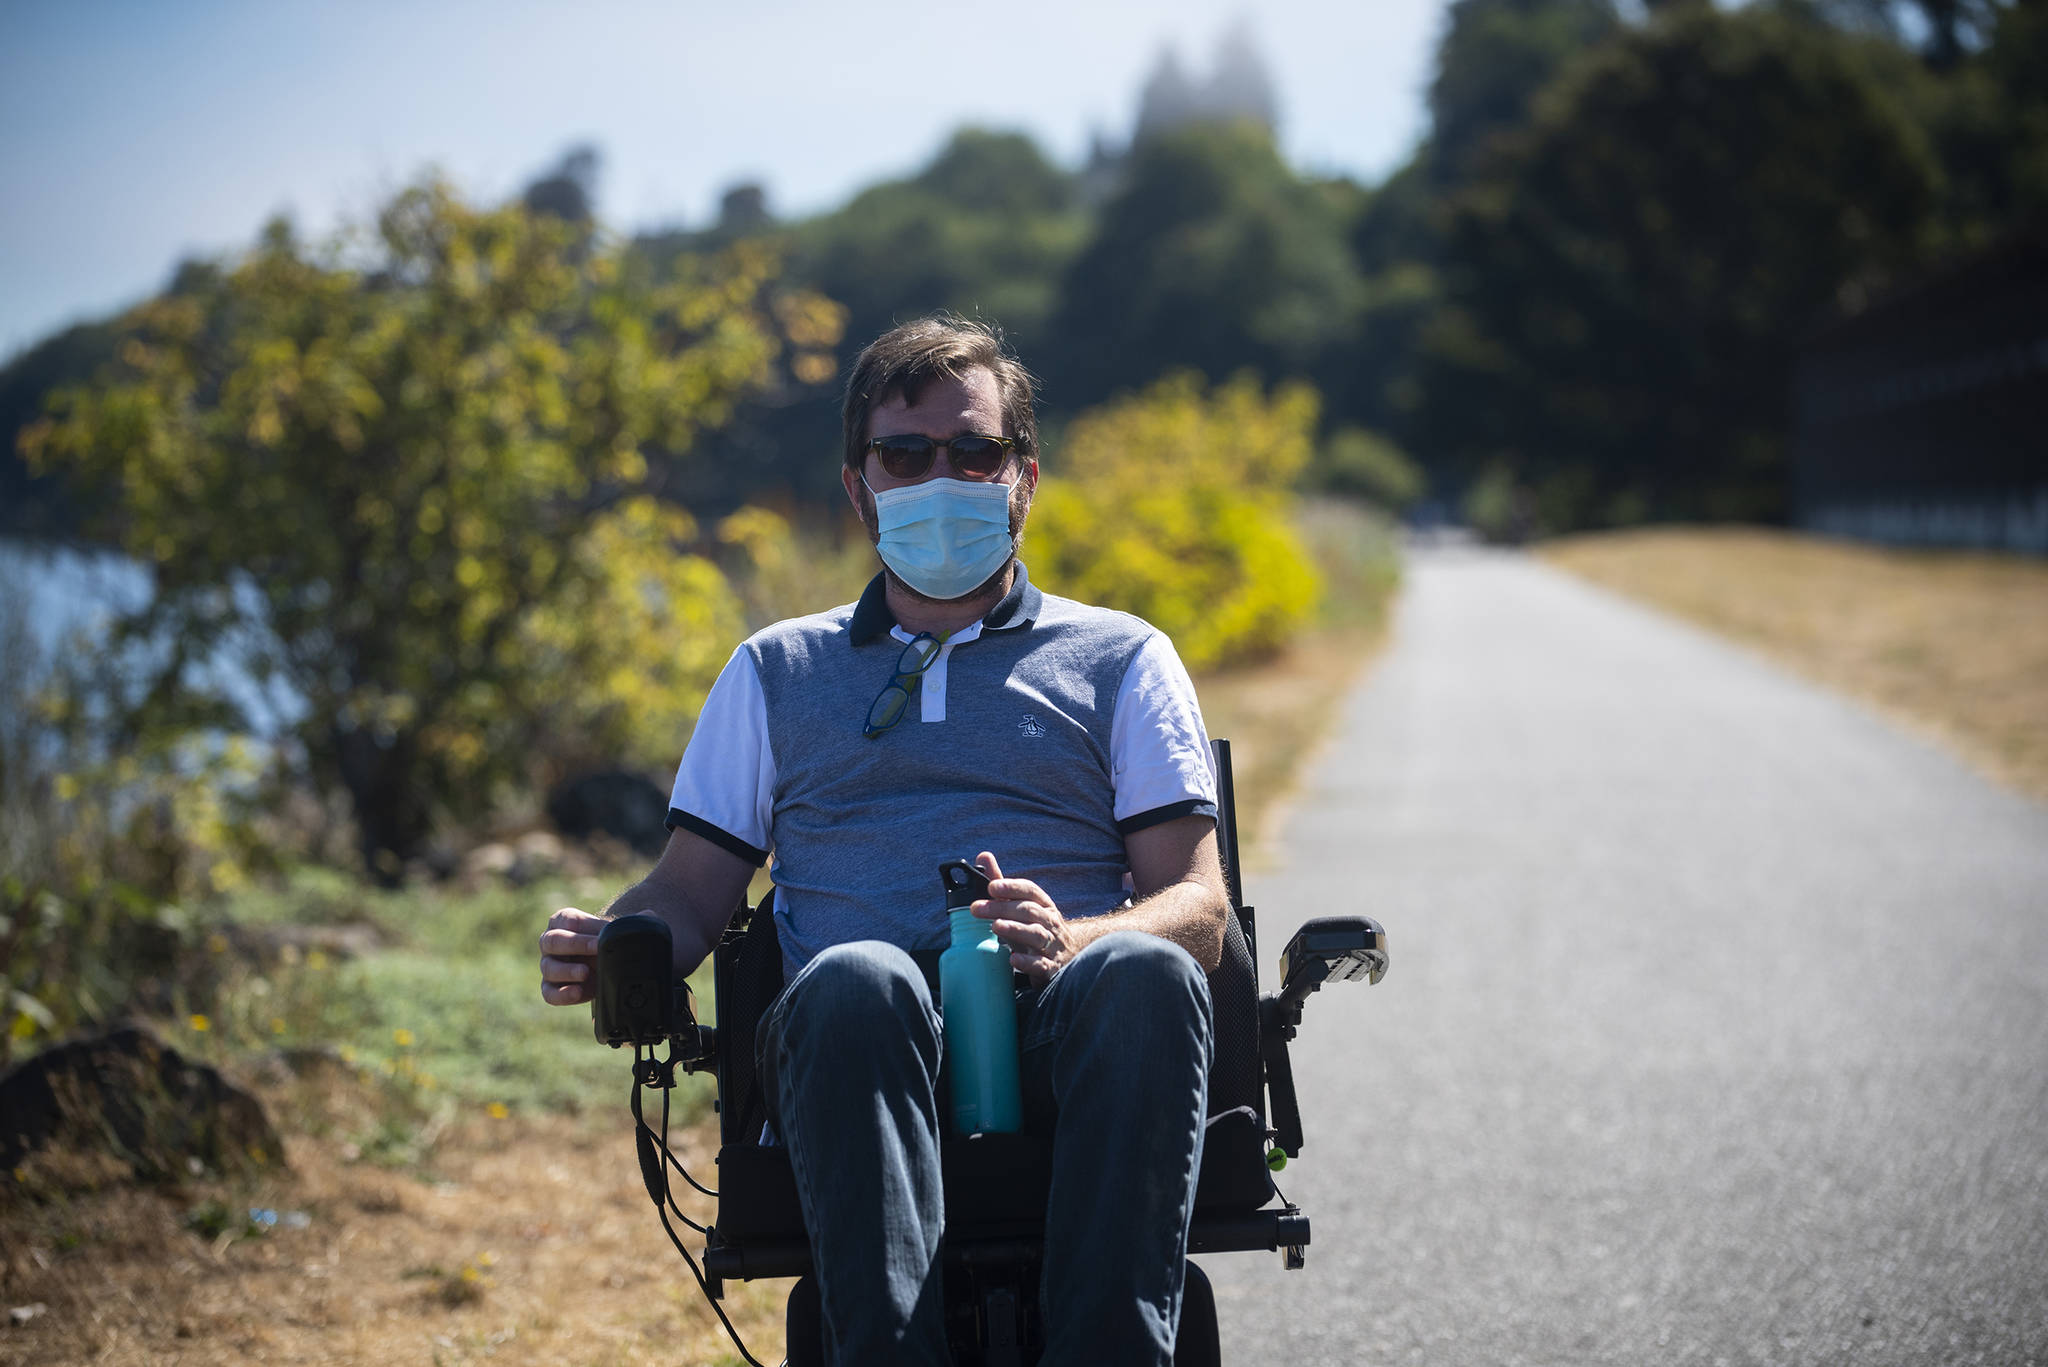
[{"x": 1717, "y": 1027}]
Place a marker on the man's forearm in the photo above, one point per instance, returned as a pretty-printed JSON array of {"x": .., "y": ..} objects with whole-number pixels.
[
  {"x": 692, "y": 928},
  {"x": 1189, "y": 913}
]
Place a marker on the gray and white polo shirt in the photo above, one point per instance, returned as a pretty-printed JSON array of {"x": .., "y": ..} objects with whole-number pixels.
[{"x": 1045, "y": 733}]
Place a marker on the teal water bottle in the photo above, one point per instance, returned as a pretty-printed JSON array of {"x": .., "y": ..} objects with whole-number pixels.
[{"x": 979, "y": 1009}]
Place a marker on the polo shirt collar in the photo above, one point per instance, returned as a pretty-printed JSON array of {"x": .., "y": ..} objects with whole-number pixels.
[{"x": 1019, "y": 608}]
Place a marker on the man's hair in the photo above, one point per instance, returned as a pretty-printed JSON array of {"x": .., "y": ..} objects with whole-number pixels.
[{"x": 903, "y": 360}]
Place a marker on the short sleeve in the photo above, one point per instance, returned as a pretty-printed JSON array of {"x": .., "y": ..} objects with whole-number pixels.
[
  {"x": 725, "y": 786},
  {"x": 1159, "y": 750}
]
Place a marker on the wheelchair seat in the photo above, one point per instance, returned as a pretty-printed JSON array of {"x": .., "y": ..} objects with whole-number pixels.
[{"x": 996, "y": 1185}]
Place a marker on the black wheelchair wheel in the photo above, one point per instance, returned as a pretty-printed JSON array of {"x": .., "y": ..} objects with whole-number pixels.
[
  {"x": 1199, "y": 1342},
  {"x": 803, "y": 1324}
]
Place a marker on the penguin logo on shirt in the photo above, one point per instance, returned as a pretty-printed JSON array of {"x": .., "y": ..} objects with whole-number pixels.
[{"x": 1031, "y": 726}]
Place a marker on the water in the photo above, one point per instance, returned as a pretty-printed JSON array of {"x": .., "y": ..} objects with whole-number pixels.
[
  {"x": 58, "y": 602},
  {"x": 57, "y": 592}
]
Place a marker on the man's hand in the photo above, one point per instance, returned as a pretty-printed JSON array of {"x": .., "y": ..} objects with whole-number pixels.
[
  {"x": 1025, "y": 919},
  {"x": 694, "y": 888},
  {"x": 568, "y": 957}
]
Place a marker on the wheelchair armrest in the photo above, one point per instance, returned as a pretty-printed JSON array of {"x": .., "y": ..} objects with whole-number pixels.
[
  {"x": 1326, "y": 949},
  {"x": 1331, "y": 949}
]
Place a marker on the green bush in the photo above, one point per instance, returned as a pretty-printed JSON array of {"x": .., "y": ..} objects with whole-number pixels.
[{"x": 1366, "y": 465}]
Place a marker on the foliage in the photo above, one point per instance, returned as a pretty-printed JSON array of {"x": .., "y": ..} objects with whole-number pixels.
[
  {"x": 784, "y": 569},
  {"x": 984, "y": 230},
  {"x": 445, "y": 1009},
  {"x": 407, "y": 474},
  {"x": 1988, "y": 118},
  {"x": 1627, "y": 289},
  {"x": 1213, "y": 256},
  {"x": 1589, "y": 165},
  {"x": 31, "y": 505},
  {"x": 105, "y": 855},
  {"x": 1495, "y": 506},
  {"x": 1366, "y": 465},
  {"x": 1496, "y": 55},
  {"x": 1175, "y": 508}
]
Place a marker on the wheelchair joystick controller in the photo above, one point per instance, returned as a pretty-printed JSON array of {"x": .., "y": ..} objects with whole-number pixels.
[
  {"x": 638, "y": 1001},
  {"x": 978, "y": 1007}
]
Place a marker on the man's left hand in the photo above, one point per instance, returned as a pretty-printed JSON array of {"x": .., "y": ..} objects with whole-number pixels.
[{"x": 1025, "y": 919}]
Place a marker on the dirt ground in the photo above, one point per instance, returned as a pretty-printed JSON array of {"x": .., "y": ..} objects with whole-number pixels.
[
  {"x": 532, "y": 1242},
  {"x": 1954, "y": 644}
]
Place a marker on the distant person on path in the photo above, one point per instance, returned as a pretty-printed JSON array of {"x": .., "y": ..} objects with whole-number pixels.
[{"x": 957, "y": 707}]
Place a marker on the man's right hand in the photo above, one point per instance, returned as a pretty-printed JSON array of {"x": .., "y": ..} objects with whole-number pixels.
[
  {"x": 568, "y": 957},
  {"x": 694, "y": 888}
]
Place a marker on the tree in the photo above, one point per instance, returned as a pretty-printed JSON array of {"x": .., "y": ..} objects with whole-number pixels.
[
  {"x": 1986, "y": 108},
  {"x": 32, "y": 505},
  {"x": 407, "y": 475},
  {"x": 1495, "y": 56},
  {"x": 569, "y": 190},
  {"x": 1240, "y": 86},
  {"x": 1364, "y": 464},
  {"x": 984, "y": 230},
  {"x": 1214, "y": 256},
  {"x": 1625, "y": 290}
]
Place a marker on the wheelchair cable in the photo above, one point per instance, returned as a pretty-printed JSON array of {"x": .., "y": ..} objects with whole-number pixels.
[
  {"x": 676, "y": 1163},
  {"x": 662, "y": 1209},
  {"x": 659, "y": 1143}
]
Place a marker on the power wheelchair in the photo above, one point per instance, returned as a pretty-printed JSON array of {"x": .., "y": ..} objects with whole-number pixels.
[{"x": 996, "y": 1185}]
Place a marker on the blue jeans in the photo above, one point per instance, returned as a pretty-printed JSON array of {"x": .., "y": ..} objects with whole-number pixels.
[{"x": 1115, "y": 1063}]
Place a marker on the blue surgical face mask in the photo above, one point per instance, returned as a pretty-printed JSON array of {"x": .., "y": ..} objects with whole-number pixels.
[{"x": 944, "y": 537}]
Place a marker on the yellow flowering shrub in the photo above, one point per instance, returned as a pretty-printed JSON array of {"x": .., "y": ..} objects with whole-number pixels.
[{"x": 1173, "y": 504}]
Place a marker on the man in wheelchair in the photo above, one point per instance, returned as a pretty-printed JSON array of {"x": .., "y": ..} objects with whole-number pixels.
[{"x": 955, "y": 709}]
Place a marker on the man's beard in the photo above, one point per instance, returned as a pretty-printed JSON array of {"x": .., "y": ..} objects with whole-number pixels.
[{"x": 990, "y": 588}]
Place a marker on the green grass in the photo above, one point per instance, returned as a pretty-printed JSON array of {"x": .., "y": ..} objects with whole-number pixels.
[{"x": 446, "y": 1011}]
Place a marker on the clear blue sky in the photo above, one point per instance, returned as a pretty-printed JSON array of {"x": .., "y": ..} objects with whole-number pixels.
[{"x": 133, "y": 132}]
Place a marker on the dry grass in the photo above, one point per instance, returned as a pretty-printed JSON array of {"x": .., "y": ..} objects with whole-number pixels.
[
  {"x": 1952, "y": 643},
  {"x": 536, "y": 1244},
  {"x": 1274, "y": 714}
]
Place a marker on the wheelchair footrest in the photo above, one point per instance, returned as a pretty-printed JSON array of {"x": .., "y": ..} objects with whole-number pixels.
[
  {"x": 1283, "y": 1228},
  {"x": 1280, "y": 1228}
]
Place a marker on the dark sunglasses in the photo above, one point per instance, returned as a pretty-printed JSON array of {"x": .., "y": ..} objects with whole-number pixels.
[
  {"x": 908, "y": 456},
  {"x": 890, "y": 704}
]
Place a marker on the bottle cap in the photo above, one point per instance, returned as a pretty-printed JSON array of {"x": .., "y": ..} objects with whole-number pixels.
[{"x": 965, "y": 884}]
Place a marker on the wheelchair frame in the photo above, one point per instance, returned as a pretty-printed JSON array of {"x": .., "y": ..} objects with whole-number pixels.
[{"x": 996, "y": 1185}]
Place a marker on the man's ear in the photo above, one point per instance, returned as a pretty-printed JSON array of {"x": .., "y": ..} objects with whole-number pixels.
[
  {"x": 1031, "y": 474},
  {"x": 849, "y": 480}
]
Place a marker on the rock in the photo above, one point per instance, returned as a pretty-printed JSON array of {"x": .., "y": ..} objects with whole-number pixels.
[
  {"x": 19, "y": 1315},
  {"x": 494, "y": 860},
  {"x": 131, "y": 1097},
  {"x": 533, "y": 856},
  {"x": 612, "y": 802},
  {"x": 543, "y": 846},
  {"x": 541, "y": 855}
]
